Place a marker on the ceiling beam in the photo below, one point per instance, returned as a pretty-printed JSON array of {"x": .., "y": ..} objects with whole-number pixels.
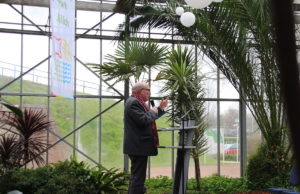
[
  {"x": 107, "y": 7},
  {"x": 89, "y": 6},
  {"x": 80, "y": 5}
]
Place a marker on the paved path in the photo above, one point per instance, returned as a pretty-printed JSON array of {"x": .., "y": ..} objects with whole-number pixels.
[{"x": 230, "y": 170}]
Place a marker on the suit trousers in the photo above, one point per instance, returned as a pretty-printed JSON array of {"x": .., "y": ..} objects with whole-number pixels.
[{"x": 138, "y": 174}]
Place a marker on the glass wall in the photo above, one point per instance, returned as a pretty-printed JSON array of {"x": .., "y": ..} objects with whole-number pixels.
[{"x": 93, "y": 121}]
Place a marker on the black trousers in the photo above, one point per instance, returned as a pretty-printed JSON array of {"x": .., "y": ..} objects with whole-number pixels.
[{"x": 138, "y": 174}]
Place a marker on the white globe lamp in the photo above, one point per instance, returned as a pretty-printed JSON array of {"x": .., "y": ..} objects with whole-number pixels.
[
  {"x": 179, "y": 10},
  {"x": 187, "y": 19},
  {"x": 198, "y": 4}
]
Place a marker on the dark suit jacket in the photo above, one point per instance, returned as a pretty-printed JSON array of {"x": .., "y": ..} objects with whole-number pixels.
[{"x": 138, "y": 138}]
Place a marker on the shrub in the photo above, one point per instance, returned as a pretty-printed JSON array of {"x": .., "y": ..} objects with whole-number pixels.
[
  {"x": 210, "y": 185},
  {"x": 159, "y": 182},
  {"x": 219, "y": 184},
  {"x": 268, "y": 167},
  {"x": 64, "y": 177}
]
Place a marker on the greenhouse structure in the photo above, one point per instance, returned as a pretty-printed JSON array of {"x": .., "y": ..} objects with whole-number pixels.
[{"x": 228, "y": 69}]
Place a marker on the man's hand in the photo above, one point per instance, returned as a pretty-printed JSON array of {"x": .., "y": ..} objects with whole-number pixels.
[
  {"x": 164, "y": 103},
  {"x": 155, "y": 109}
]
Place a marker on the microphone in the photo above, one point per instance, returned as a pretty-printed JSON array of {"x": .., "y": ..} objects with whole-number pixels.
[{"x": 152, "y": 103}]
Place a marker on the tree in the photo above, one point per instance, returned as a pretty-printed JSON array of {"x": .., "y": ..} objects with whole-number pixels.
[{"x": 184, "y": 88}]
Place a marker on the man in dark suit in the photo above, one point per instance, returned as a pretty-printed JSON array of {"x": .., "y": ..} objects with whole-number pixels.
[{"x": 140, "y": 136}]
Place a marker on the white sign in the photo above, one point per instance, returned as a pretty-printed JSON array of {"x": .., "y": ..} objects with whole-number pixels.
[{"x": 63, "y": 47}]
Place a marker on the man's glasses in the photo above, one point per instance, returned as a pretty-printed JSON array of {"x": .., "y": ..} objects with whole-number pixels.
[{"x": 146, "y": 89}]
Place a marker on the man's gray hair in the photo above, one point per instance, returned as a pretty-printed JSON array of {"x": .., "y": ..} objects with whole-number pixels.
[{"x": 138, "y": 86}]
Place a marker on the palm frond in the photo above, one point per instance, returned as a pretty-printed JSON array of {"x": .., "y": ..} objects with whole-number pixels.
[
  {"x": 150, "y": 16},
  {"x": 12, "y": 108},
  {"x": 8, "y": 151},
  {"x": 238, "y": 37},
  {"x": 131, "y": 58},
  {"x": 30, "y": 129}
]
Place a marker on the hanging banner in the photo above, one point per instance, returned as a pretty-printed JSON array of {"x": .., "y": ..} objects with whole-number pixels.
[{"x": 63, "y": 47}]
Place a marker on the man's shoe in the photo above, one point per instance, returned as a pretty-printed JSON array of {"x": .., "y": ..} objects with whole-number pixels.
[{"x": 145, "y": 190}]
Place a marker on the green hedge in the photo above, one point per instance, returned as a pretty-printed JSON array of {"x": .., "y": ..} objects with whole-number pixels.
[
  {"x": 268, "y": 168},
  {"x": 64, "y": 178},
  {"x": 76, "y": 177},
  {"x": 209, "y": 185}
]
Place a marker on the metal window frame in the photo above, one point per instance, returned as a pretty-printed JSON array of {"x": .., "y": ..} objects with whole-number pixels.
[{"x": 102, "y": 7}]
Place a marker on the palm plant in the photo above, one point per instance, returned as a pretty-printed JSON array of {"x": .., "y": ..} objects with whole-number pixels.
[
  {"x": 29, "y": 126},
  {"x": 131, "y": 59},
  {"x": 237, "y": 35},
  {"x": 8, "y": 142},
  {"x": 184, "y": 87},
  {"x": 8, "y": 152}
]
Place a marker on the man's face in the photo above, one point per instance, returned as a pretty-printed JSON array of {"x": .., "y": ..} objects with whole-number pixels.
[{"x": 145, "y": 93}]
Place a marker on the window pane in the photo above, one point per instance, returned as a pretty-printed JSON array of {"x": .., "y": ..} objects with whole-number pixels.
[
  {"x": 112, "y": 135},
  {"x": 208, "y": 161},
  {"x": 209, "y": 72},
  {"x": 14, "y": 19},
  {"x": 88, "y": 136},
  {"x": 10, "y": 60},
  {"x": 226, "y": 88},
  {"x": 161, "y": 165},
  {"x": 38, "y": 15},
  {"x": 230, "y": 138}
]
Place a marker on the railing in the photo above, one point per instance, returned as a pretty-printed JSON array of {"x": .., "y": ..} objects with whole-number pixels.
[{"x": 41, "y": 77}]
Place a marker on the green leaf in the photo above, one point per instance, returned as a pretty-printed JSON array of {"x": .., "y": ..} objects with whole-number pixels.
[{"x": 14, "y": 109}]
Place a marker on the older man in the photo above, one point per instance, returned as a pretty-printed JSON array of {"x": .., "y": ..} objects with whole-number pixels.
[{"x": 140, "y": 136}]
